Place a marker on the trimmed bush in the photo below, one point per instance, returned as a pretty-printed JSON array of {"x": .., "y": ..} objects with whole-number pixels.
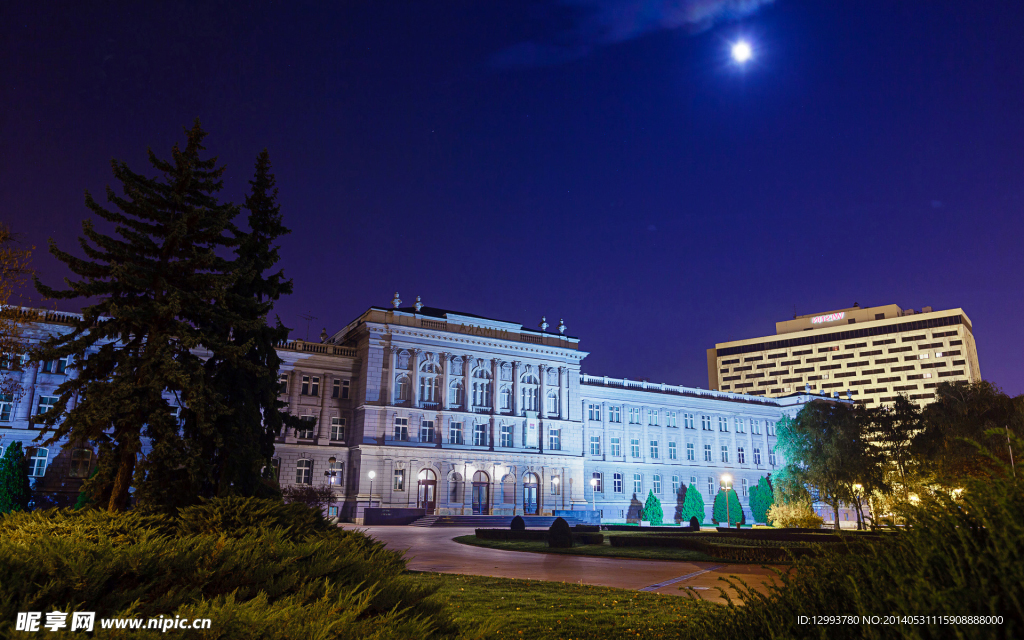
[
  {"x": 560, "y": 534},
  {"x": 694, "y": 523},
  {"x": 652, "y": 510},
  {"x": 509, "y": 535},
  {"x": 735, "y": 553},
  {"x": 587, "y": 528},
  {"x": 588, "y": 538},
  {"x": 518, "y": 524}
]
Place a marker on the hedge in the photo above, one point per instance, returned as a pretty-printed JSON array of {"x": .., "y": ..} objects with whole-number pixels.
[
  {"x": 723, "y": 551},
  {"x": 513, "y": 535}
]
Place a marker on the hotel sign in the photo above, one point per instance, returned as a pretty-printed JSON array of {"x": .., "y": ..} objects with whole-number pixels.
[{"x": 828, "y": 317}]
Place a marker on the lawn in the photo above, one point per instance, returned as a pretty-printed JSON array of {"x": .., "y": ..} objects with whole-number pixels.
[
  {"x": 605, "y": 550},
  {"x": 538, "y": 609}
]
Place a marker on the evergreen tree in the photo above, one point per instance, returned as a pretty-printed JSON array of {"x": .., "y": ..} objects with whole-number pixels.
[
  {"x": 15, "y": 489},
  {"x": 761, "y": 499},
  {"x": 652, "y": 510},
  {"x": 246, "y": 374},
  {"x": 153, "y": 286},
  {"x": 693, "y": 505},
  {"x": 718, "y": 513}
]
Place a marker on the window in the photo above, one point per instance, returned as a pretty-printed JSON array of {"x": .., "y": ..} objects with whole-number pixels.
[
  {"x": 506, "y": 398},
  {"x": 344, "y": 389},
  {"x": 305, "y": 430},
  {"x": 479, "y": 435},
  {"x": 455, "y": 433},
  {"x": 670, "y": 418},
  {"x": 614, "y": 415},
  {"x": 45, "y": 404},
  {"x": 336, "y": 388},
  {"x": 595, "y": 445},
  {"x": 529, "y": 398},
  {"x": 688, "y": 420},
  {"x": 282, "y": 383},
  {"x": 616, "y": 449},
  {"x": 506, "y": 435},
  {"x": 634, "y": 447},
  {"x": 56, "y": 366},
  {"x": 711, "y": 486},
  {"x": 555, "y": 439},
  {"x": 594, "y": 412},
  {"x": 304, "y": 472},
  {"x": 740, "y": 457},
  {"x": 552, "y": 403},
  {"x": 743, "y": 484},
  {"x": 739, "y": 425},
  {"x": 427, "y": 431},
  {"x": 430, "y": 388},
  {"x": 771, "y": 456},
  {"x": 332, "y": 512},
  {"x": 402, "y": 429},
  {"x": 455, "y": 393},
  {"x": 689, "y": 451},
  {"x": 634, "y": 415},
  {"x": 598, "y": 486},
  {"x": 654, "y": 449},
  {"x": 402, "y": 387},
  {"x": 705, "y": 423},
  {"x": 707, "y": 453},
  {"x": 337, "y": 471},
  {"x": 652, "y": 416},
  {"x": 176, "y": 414},
  {"x": 337, "y": 428},
  {"x": 657, "y": 483},
  {"x": 80, "y": 459},
  {"x": 637, "y": 483},
  {"x": 693, "y": 481},
  {"x": 6, "y": 407},
  {"x": 757, "y": 456},
  {"x": 617, "y": 482},
  {"x": 399, "y": 480},
  {"x": 723, "y": 424},
  {"x": 770, "y": 428},
  {"x": 755, "y": 427},
  {"x": 671, "y": 450},
  {"x": 310, "y": 386},
  {"x": 555, "y": 485},
  {"x": 725, "y": 453}
]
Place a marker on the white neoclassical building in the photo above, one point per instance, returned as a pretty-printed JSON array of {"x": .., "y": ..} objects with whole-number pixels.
[{"x": 455, "y": 414}]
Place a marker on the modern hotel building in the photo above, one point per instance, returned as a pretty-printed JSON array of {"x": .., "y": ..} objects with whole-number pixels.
[{"x": 869, "y": 354}]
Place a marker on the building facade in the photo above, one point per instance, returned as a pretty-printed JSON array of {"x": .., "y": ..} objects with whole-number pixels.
[
  {"x": 455, "y": 414},
  {"x": 868, "y": 354}
]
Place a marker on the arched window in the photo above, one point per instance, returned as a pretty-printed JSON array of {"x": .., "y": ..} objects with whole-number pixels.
[
  {"x": 80, "y": 459},
  {"x": 481, "y": 387},
  {"x": 402, "y": 388},
  {"x": 552, "y": 403},
  {"x": 506, "y": 398},
  {"x": 455, "y": 393},
  {"x": 481, "y": 476},
  {"x": 429, "y": 388},
  {"x": 456, "y": 489},
  {"x": 304, "y": 472},
  {"x": 528, "y": 398}
]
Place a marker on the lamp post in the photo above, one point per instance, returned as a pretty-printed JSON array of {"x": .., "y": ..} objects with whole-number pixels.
[
  {"x": 593, "y": 491},
  {"x": 554, "y": 481},
  {"x": 330, "y": 473},
  {"x": 726, "y": 482},
  {"x": 372, "y": 475}
]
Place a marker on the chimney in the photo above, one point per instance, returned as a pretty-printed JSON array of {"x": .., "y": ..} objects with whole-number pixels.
[{"x": 926, "y": 309}]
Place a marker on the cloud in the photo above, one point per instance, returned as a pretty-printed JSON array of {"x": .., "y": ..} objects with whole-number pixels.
[{"x": 603, "y": 22}]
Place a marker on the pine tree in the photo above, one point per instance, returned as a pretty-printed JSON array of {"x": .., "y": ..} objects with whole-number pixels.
[
  {"x": 157, "y": 282},
  {"x": 246, "y": 375},
  {"x": 652, "y": 510},
  {"x": 735, "y": 509},
  {"x": 761, "y": 499},
  {"x": 15, "y": 489},
  {"x": 693, "y": 505}
]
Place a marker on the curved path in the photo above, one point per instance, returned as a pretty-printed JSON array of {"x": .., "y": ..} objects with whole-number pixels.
[{"x": 433, "y": 549}]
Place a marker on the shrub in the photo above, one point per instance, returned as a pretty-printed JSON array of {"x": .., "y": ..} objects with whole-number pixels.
[
  {"x": 518, "y": 524},
  {"x": 728, "y": 496},
  {"x": 15, "y": 491},
  {"x": 652, "y": 509},
  {"x": 693, "y": 505},
  {"x": 798, "y": 514},
  {"x": 560, "y": 534},
  {"x": 694, "y": 523},
  {"x": 512, "y": 535},
  {"x": 588, "y": 538},
  {"x": 586, "y": 528},
  {"x": 761, "y": 499}
]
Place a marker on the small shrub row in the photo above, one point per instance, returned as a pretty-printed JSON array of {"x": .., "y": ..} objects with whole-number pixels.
[
  {"x": 513, "y": 535},
  {"x": 723, "y": 551}
]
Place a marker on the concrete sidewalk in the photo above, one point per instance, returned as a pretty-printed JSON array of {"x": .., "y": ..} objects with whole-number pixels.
[{"x": 433, "y": 549}]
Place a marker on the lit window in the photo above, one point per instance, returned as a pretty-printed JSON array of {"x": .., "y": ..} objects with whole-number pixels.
[
  {"x": 770, "y": 427},
  {"x": 337, "y": 428},
  {"x": 399, "y": 480},
  {"x": 304, "y": 472},
  {"x": 555, "y": 485}
]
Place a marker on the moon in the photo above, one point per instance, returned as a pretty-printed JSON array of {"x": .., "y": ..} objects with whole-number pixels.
[{"x": 741, "y": 51}]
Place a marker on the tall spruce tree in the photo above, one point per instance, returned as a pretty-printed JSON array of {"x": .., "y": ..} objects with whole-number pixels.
[
  {"x": 153, "y": 287},
  {"x": 693, "y": 505},
  {"x": 15, "y": 489},
  {"x": 246, "y": 375}
]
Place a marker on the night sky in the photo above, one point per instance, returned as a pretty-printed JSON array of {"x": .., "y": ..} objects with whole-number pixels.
[{"x": 584, "y": 159}]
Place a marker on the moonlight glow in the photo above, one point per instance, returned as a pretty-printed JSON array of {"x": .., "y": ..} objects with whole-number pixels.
[{"x": 741, "y": 51}]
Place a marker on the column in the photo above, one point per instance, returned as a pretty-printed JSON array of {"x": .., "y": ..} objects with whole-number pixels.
[
  {"x": 543, "y": 371},
  {"x": 495, "y": 383},
  {"x": 517, "y": 408},
  {"x": 414, "y": 379},
  {"x": 467, "y": 379},
  {"x": 445, "y": 379},
  {"x": 563, "y": 393},
  {"x": 323, "y": 429},
  {"x": 392, "y": 357}
]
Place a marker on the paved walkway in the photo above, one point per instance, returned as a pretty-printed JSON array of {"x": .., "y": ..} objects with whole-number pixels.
[{"x": 433, "y": 549}]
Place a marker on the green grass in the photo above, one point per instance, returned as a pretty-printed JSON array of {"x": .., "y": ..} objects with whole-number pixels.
[
  {"x": 537, "y": 609},
  {"x": 605, "y": 550}
]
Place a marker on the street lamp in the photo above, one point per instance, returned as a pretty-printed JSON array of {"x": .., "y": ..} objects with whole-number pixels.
[
  {"x": 593, "y": 491},
  {"x": 372, "y": 475},
  {"x": 330, "y": 474},
  {"x": 726, "y": 482}
]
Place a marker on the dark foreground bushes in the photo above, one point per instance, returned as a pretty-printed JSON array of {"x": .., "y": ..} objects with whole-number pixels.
[
  {"x": 256, "y": 568},
  {"x": 954, "y": 558},
  {"x": 535, "y": 535}
]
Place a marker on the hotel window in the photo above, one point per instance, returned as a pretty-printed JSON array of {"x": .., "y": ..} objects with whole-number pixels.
[
  {"x": 616, "y": 449},
  {"x": 725, "y": 453},
  {"x": 740, "y": 457},
  {"x": 670, "y": 418},
  {"x": 743, "y": 484},
  {"x": 598, "y": 486},
  {"x": 594, "y": 412},
  {"x": 6, "y": 407},
  {"x": 402, "y": 429},
  {"x": 506, "y": 435},
  {"x": 427, "y": 431},
  {"x": 675, "y": 485},
  {"x": 711, "y": 486},
  {"x": 282, "y": 383},
  {"x": 770, "y": 427},
  {"x": 634, "y": 415},
  {"x": 310, "y": 386},
  {"x": 637, "y": 483},
  {"x": 671, "y": 450},
  {"x": 595, "y": 445},
  {"x": 757, "y": 455},
  {"x": 479, "y": 435},
  {"x": 337, "y": 428},
  {"x": 689, "y": 451},
  {"x": 654, "y": 449},
  {"x": 399, "y": 482},
  {"x": 614, "y": 414},
  {"x": 652, "y": 417},
  {"x": 45, "y": 404},
  {"x": 37, "y": 461},
  {"x": 634, "y": 447},
  {"x": 617, "y": 482},
  {"x": 657, "y": 483},
  {"x": 723, "y": 424},
  {"x": 307, "y": 427},
  {"x": 80, "y": 459},
  {"x": 707, "y": 453},
  {"x": 688, "y": 420},
  {"x": 304, "y": 472},
  {"x": 771, "y": 456},
  {"x": 455, "y": 433},
  {"x": 555, "y": 439},
  {"x": 755, "y": 427},
  {"x": 705, "y": 423}
]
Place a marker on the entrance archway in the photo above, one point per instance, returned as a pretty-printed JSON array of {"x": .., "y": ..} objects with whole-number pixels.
[
  {"x": 531, "y": 504},
  {"x": 426, "y": 497},
  {"x": 481, "y": 494}
]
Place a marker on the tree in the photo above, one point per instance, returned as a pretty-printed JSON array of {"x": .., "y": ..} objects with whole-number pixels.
[
  {"x": 245, "y": 375},
  {"x": 15, "y": 489},
  {"x": 156, "y": 283},
  {"x": 652, "y": 510},
  {"x": 761, "y": 499},
  {"x": 14, "y": 274},
  {"x": 693, "y": 505},
  {"x": 718, "y": 512},
  {"x": 319, "y": 497}
]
